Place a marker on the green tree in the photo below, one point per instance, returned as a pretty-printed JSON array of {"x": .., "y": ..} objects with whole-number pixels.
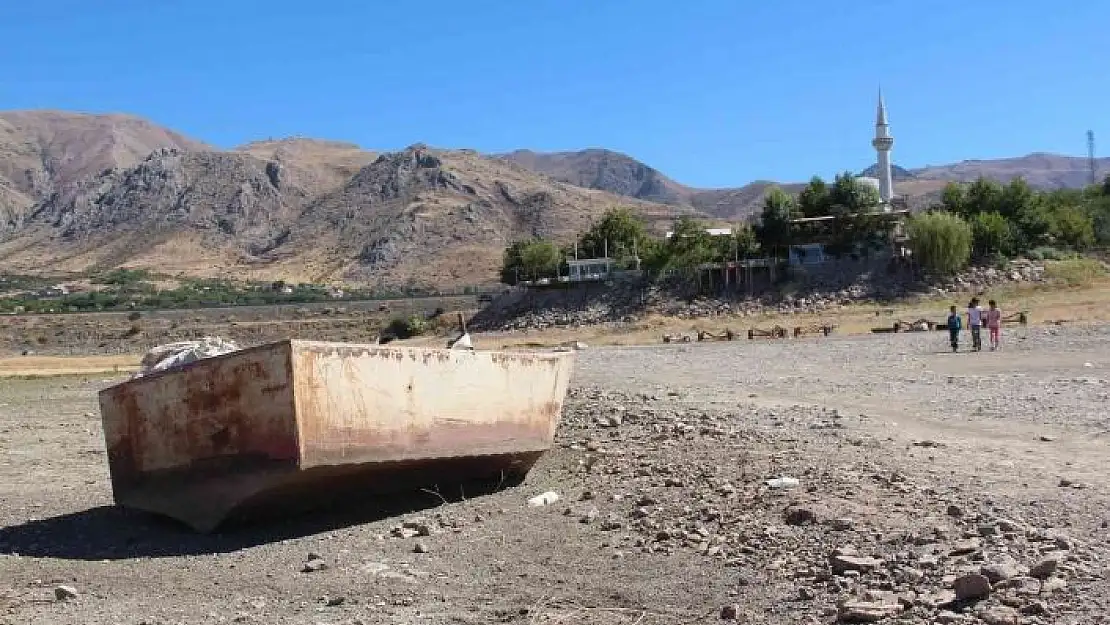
[
  {"x": 982, "y": 196},
  {"x": 813, "y": 201},
  {"x": 620, "y": 232},
  {"x": 774, "y": 228},
  {"x": 690, "y": 245},
  {"x": 530, "y": 260},
  {"x": 541, "y": 259},
  {"x": 953, "y": 199},
  {"x": 1072, "y": 227},
  {"x": 745, "y": 240},
  {"x": 849, "y": 196},
  {"x": 941, "y": 242},
  {"x": 991, "y": 235}
]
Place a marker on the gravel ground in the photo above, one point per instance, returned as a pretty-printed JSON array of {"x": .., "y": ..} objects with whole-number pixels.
[{"x": 930, "y": 488}]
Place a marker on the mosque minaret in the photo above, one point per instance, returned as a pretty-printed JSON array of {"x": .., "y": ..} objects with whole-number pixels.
[{"x": 883, "y": 143}]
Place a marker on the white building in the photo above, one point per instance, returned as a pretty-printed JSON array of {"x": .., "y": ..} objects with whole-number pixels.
[{"x": 713, "y": 232}]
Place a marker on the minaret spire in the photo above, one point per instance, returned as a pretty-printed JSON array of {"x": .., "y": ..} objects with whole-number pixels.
[{"x": 883, "y": 143}]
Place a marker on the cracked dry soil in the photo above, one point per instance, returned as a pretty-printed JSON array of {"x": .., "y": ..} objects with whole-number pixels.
[{"x": 931, "y": 488}]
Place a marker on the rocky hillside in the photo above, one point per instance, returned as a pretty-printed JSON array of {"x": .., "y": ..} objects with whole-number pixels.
[
  {"x": 416, "y": 217},
  {"x": 44, "y": 152},
  {"x": 444, "y": 217},
  {"x": 604, "y": 170}
]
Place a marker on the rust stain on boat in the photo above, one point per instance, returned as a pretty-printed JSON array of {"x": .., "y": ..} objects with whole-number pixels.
[{"x": 204, "y": 440}]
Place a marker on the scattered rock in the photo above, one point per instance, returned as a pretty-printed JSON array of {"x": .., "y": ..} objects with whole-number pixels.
[
  {"x": 966, "y": 547},
  {"x": 420, "y": 548},
  {"x": 800, "y": 516},
  {"x": 314, "y": 563},
  {"x": 730, "y": 612},
  {"x": 1000, "y": 571},
  {"x": 64, "y": 592},
  {"x": 841, "y": 564},
  {"x": 971, "y": 587},
  {"x": 1045, "y": 568},
  {"x": 871, "y": 608},
  {"x": 1000, "y": 615}
]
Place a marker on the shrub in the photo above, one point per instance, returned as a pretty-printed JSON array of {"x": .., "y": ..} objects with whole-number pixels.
[
  {"x": 404, "y": 328},
  {"x": 991, "y": 235},
  {"x": 941, "y": 242}
]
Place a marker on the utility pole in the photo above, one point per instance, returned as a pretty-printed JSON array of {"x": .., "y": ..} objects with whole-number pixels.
[{"x": 1091, "y": 163}]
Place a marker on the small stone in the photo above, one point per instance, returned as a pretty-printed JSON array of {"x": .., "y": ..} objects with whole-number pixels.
[
  {"x": 966, "y": 547},
  {"x": 1000, "y": 571},
  {"x": 1035, "y": 608},
  {"x": 841, "y": 564},
  {"x": 910, "y": 575},
  {"x": 64, "y": 592},
  {"x": 1045, "y": 568},
  {"x": 730, "y": 612},
  {"x": 842, "y": 524},
  {"x": 1022, "y": 586},
  {"x": 867, "y": 611},
  {"x": 1000, "y": 615},
  {"x": 971, "y": 587},
  {"x": 313, "y": 564},
  {"x": 806, "y": 594},
  {"x": 800, "y": 516},
  {"x": 955, "y": 511},
  {"x": 1053, "y": 584},
  {"x": 420, "y": 548}
]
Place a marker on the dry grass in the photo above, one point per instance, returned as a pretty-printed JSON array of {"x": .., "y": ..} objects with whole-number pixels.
[{"x": 42, "y": 366}]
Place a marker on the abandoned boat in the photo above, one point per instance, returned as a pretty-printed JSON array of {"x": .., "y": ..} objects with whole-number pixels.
[{"x": 281, "y": 423}]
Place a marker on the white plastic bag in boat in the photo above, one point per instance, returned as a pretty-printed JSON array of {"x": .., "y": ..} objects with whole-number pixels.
[
  {"x": 171, "y": 355},
  {"x": 463, "y": 342}
]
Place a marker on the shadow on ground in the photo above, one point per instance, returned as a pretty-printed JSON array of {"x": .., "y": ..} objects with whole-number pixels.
[{"x": 114, "y": 533}]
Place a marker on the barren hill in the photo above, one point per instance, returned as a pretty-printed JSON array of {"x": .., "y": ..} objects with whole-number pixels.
[
  {"x": 442, "y": 217},
  {"x": 44, "y": 152},
  {"x": 322, "y": 165},
  {"x": 1040, "y": 170},
  {"x": 419, "y": 216},
  {"x": 604, "y": 170}
]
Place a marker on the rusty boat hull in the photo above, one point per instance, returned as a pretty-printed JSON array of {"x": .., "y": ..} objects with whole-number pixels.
[{"x": 287, "y": 423}]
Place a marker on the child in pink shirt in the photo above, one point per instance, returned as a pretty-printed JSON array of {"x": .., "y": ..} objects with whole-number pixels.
[{"x": 994, "y": 323}]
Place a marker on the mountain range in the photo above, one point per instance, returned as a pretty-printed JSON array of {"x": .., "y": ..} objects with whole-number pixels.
[{"x": 82, "y": 193}]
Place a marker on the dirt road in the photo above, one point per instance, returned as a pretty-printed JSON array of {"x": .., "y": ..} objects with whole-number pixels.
[{"x": 922, "y": 475}]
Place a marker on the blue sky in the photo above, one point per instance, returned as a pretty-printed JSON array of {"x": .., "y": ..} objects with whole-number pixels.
[{"x": 711, "y": 92}]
